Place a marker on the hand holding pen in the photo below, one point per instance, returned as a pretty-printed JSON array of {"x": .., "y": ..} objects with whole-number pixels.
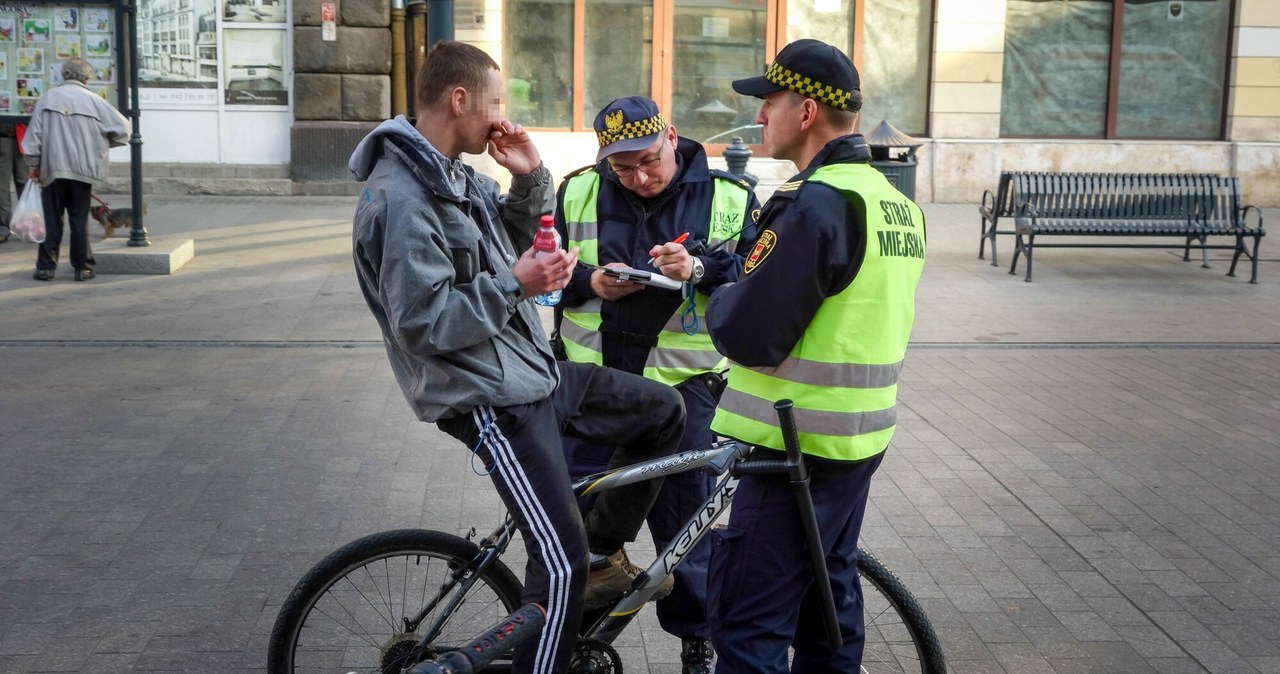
[{"x": 673, "y": 259}]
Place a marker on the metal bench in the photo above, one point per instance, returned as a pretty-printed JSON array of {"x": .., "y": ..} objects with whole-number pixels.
[
  {"x": 992, "y": 208},
  {"x": 1190, "y": 207}
]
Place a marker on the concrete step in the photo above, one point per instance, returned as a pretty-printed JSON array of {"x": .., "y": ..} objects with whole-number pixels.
[{"x": 160, "y": 179}]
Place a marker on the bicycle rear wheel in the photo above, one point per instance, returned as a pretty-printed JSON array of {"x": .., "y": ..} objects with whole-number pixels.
[
  {"x": 899, "y": 635},
  {"x": 349, "y": 612}
]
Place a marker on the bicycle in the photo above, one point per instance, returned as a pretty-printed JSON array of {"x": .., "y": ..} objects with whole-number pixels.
[{"x": 390, "y": 600}]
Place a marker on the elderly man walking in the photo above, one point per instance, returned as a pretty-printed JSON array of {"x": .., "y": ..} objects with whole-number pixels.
[{"x": 66, "y": 147}]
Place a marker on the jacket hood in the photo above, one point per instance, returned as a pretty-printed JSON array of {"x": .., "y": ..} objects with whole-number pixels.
[{"x": 399, "y": 137}]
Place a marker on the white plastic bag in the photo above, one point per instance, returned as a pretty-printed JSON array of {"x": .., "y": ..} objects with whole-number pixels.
[{"x": 27, "y": 222}]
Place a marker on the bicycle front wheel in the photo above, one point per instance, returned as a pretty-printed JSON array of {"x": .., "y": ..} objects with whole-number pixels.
[
  {"x": 899, "y": 635},
  {"x": 352, "y": 611}
]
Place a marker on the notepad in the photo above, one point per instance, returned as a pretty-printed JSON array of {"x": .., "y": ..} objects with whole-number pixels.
[{"x": 643, "y": 277}]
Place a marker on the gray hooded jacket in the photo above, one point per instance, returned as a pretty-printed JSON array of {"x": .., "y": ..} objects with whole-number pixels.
[{"x": 434, "y": 244}]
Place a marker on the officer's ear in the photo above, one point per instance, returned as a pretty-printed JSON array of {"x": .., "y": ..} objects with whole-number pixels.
[{"x": 808, "y": 114}]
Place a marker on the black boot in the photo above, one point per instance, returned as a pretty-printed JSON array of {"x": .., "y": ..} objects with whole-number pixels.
[{"x": 696, "y": 656}]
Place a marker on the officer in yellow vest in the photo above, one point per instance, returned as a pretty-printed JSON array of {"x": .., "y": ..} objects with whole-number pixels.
[
  {"x": 821, "y": 316},
  {"x": 648, "y": 190}
]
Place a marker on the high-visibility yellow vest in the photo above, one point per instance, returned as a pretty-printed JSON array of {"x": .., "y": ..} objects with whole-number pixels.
[
  {"x": 842, "y": 376},
  {"x": 678, "y": 355}
]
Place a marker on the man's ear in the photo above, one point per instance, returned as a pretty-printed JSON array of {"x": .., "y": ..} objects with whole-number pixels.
[
  {"x": 458, "y": 101},
  {"x": 808, "y": 114}
]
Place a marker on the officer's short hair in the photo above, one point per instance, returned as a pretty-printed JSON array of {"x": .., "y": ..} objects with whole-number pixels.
[
  {"x": 452, "y": 64},
  {"x": 77, "y": 69}
]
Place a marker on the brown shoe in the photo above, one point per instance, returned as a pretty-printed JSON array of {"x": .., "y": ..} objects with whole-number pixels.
[{"x": 610, "y": 578}]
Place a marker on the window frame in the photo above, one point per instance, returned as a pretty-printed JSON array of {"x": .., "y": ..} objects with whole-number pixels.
[
  {"x": 1113, "y": 82},
  {"x": 663, "y": 44}
]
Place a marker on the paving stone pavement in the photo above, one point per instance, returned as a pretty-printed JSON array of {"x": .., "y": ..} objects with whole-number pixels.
[{"x": 1083, "y": 478}]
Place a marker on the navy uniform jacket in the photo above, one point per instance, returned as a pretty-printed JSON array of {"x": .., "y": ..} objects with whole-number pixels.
[
  {"x": 630, "y": 227},
  {"x": 820, "y": 244}
]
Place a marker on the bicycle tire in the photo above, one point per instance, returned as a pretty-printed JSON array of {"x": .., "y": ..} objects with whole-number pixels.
[
  {"x": 900, "y": 637},
  {"x": 347, "y": 613}
]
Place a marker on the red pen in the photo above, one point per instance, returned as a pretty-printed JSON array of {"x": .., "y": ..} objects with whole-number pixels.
[{"x": 653, "y": 261}]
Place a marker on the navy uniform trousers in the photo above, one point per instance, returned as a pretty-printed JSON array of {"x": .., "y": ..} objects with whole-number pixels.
[
  {"x": 762, "y": 598},
  {"x": 521, "y": 447},
  {"x": 683, "y": 612}
]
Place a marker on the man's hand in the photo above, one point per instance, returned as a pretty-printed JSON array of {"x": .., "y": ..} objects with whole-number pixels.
[
  {"x": 538, "y": 275},
  {"x": 610, "y": 288},
  {"x": 673, "y": 260},
  {"x": 34, "y": 174},
  {"x": 511, "y": 147}
]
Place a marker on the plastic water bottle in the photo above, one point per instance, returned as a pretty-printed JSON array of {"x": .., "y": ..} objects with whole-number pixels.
[{"x": 546, "y": 242}]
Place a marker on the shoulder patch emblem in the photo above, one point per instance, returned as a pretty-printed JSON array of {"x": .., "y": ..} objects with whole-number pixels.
[
  {"x": 764, "y": 245},
  {"x": 613, "y": 120}
]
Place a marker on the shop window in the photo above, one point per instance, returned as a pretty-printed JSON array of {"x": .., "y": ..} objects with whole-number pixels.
[
  {"x": 539, "y": 62},
  {"x": 1056, "y": 59},
  {"x": 565, "y": 59},
  {"x": 1172, "y": 69},
  {"x": 715, "y": 42},
  {"x": 619, "y": 53},
  {"x": 891, "y": 49},
  {"x": 1062, "y": 78}
]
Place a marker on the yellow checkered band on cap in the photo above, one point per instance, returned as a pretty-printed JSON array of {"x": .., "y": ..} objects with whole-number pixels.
[
  {"x": 808, "y": 87},
  {"x": 636, "y": 129}
]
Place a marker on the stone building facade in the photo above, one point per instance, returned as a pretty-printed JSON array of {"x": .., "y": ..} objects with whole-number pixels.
[{"x": 342, "y": 88}]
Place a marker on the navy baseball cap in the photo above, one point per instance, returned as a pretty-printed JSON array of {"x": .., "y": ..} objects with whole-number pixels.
[
  {"x": 628, "y": 124},
  {"x": 810, "y": 68}
]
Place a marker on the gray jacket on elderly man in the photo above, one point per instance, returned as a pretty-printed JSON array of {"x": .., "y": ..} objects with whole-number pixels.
[{"x": 70, "y": 133}]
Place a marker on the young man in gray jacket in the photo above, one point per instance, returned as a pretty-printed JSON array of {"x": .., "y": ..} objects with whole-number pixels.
[{"x": 436, "y": 253}]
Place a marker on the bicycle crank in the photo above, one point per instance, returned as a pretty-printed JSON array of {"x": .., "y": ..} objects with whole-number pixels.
[{"x": 592, "y": 656}]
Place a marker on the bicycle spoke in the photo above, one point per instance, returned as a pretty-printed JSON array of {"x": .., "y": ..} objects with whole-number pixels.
[{"x": 357, "y": 622}]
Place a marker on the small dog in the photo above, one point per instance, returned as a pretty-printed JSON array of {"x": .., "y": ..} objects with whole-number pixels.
[{"x": 112, "y": 218}]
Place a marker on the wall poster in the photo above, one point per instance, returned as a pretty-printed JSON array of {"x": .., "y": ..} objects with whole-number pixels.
[
  {"x": 205, "y": 53},
  {"x": 36, "y": 39}
]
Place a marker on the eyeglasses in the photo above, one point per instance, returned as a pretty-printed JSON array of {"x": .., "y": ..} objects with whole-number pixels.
[{"x": 646, "y": 166}]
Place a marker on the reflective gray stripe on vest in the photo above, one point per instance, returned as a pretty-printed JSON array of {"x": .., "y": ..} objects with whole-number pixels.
[
  {"x": 575, "y": 333},
  {"x": 583, "y": 231},
  {"x": 728, "y": 247},
  {"x": 841, "y": 375},
  {"x": 810, "y": 421},
  {"x": 693, "y": 359}
]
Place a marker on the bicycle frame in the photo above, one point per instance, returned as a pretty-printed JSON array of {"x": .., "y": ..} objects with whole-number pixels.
[{"x": 718, "y": 457}]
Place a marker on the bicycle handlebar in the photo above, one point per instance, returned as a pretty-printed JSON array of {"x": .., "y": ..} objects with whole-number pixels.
[{"x": 506, "y": 634}]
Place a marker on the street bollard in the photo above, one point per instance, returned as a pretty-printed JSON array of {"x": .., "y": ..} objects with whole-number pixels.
[{"x": 735, "y": 157}]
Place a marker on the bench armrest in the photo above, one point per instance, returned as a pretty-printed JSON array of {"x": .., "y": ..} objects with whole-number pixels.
[
  {"x": 985, "y": 208},
  {"x": 1244, "y": 213}
]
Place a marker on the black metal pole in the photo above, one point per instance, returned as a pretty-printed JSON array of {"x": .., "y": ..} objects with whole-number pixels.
[
  {"x": 138, "y": 233},
  {"x": 798, "y": 473}
]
